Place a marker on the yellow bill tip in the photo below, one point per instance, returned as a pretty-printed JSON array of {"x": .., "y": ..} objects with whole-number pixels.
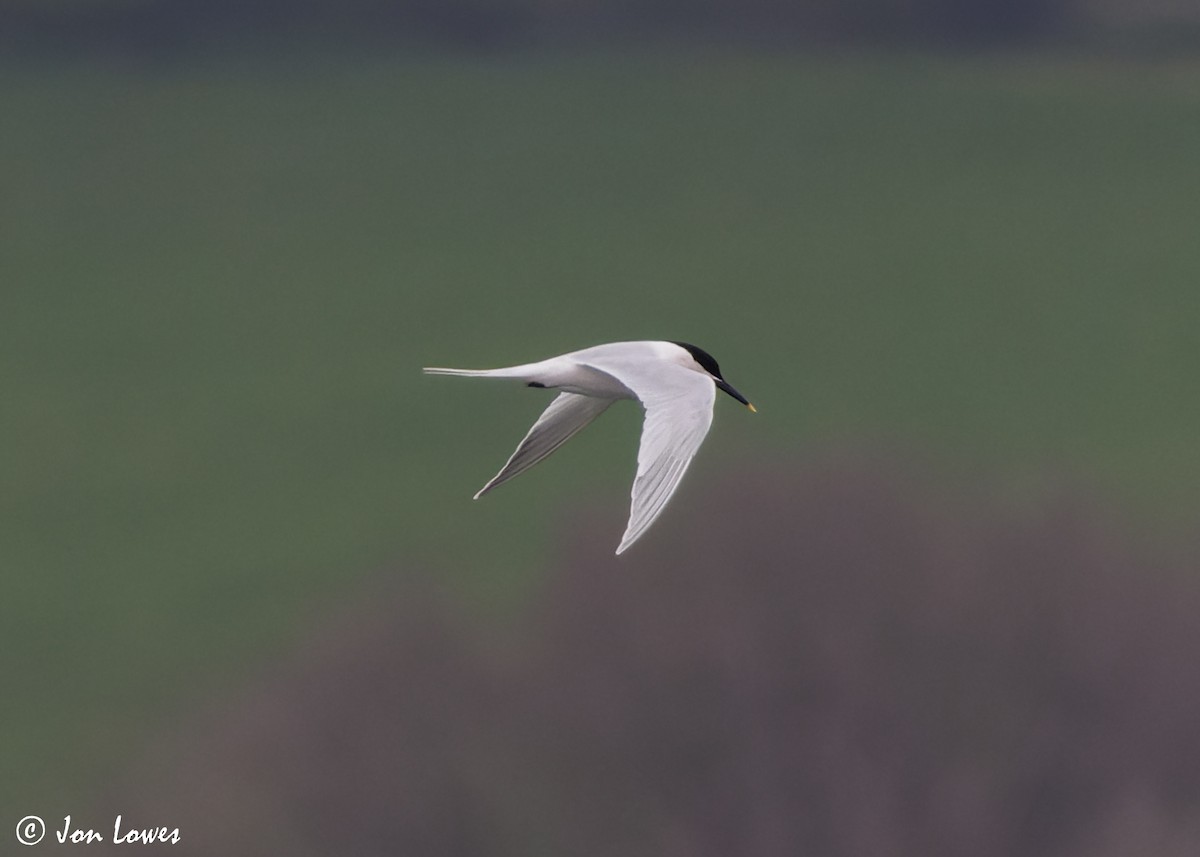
[{"x": 753, "y": 409}]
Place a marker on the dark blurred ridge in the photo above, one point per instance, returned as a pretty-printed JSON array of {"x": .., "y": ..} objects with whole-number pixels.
[{"x": 839, "y": 661}]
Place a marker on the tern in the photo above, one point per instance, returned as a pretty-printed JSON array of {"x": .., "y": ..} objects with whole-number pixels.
[{"x": 676, "y": 384}]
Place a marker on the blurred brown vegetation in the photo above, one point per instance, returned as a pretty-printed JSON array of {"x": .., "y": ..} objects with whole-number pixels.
[{"x": 834, "y": 661}]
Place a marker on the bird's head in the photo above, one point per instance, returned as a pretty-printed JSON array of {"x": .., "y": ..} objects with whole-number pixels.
[{"x": 702, "y": 361}]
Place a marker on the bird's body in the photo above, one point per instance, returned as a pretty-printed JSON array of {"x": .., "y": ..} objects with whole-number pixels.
[{"x": 675, "y": 382}]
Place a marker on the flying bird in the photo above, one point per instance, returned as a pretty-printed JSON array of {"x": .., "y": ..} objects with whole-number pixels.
[{"x": 676, "y": 383}]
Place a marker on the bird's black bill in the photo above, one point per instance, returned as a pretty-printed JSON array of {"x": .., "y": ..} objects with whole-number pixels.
[{"x": 728, "y": 388}]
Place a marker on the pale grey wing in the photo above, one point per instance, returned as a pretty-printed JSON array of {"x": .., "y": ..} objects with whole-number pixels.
[
  {"x": 679, "y": 406},
  {"x": 567, "y": 414}
]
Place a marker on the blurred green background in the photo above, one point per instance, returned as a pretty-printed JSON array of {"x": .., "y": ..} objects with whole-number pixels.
[{"x": 223, "y": 268}]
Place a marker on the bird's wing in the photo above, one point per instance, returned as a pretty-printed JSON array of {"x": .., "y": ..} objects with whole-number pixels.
[
  {"x": 679, "y": 406},
  {"x": 567, "y": 414}
]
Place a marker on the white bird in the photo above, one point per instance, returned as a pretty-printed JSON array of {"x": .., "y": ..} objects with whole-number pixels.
[{"x": 675, "y": 382}]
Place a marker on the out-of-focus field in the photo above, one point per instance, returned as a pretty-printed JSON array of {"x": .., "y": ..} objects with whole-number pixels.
[{"x": 220, "y": 280}]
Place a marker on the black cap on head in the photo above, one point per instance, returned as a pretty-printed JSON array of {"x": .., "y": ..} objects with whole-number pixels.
[
  {"x": 703, "y": 358},
  {"x": 710, "y": 366}
]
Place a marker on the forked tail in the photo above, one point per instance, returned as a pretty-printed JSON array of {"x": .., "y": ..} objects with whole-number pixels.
[
  {"x": 508, "y": 372},
  {"x": 436, "y": 370}
]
